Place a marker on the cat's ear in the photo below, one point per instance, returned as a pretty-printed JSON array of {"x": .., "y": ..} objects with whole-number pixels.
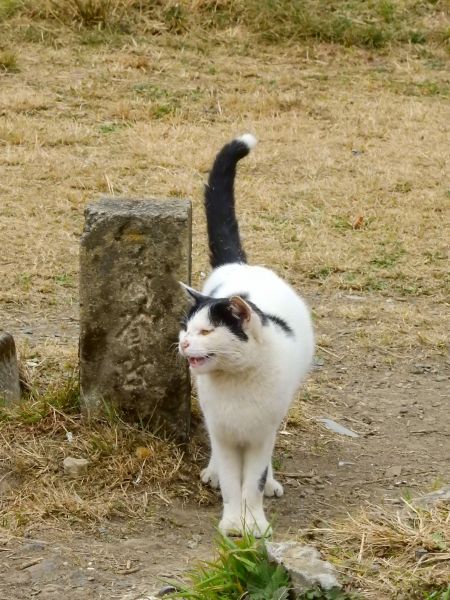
[
  {"x": 192, "y": 294},
  {"x": 240, "y": 309}
]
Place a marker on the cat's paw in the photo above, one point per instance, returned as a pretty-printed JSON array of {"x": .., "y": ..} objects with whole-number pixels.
[
  {"x": 231, "y": 526},
  {"x": 210, "y": 477},
  {"x": 273, "y": 488},
  {"x": 259, "y": 527}
]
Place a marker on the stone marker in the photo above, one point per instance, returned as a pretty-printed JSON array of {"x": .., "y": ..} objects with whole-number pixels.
[
  {"x": 133, "y": 254},
  {"x": 9, "y": 369},
  {"x": 304, "y": 565},
  {"x": 75, "y": 467}
]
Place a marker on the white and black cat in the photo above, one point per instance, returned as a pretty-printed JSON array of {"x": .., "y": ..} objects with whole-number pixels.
[{"x": 249, "y": 341}]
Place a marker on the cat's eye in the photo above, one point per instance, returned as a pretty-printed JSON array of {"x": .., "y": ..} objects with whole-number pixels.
[{"x": 205, "y": 331}]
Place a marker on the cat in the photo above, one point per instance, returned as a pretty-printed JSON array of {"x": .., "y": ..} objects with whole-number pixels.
[{"x": 249, "y": 341}]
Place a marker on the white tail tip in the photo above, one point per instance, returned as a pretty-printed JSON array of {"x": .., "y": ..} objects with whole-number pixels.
[{"x": 249, "y": 140}]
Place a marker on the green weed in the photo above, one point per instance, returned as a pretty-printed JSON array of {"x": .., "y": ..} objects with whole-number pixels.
[
  {"x": 241, "y": 569},
  {"x": 8, "y": 8},
  {"x": 388, "y": 257},
  {"x": 111, "y": 127},
  {"x": 442, "y": 594},
  {"x": 423, "y": 88},
  {"x": 8, "y": 61},
  {"x": 64, "y": 279},
  {"x": 36, "y": 407}
]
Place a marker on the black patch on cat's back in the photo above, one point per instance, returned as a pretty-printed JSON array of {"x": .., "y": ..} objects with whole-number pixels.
[
  {"x": 281, "y": 323},
  {"x": 266, "y": 317},
  {"x": 263, "y": 479}
]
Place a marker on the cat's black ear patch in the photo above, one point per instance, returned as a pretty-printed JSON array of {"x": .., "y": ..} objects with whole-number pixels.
[
  {"x": 220, "y": 314},
  {"x": 193, "y": 295}
]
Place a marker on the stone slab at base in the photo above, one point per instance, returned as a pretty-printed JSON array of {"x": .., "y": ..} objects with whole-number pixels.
[{"x": 9, "y": 369}]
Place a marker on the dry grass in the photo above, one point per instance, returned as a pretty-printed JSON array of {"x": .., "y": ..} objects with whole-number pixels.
[
  {"x": 130, "y": 470},
  {"x": 346, "y": 196},
  {"x": 403, "y": 555},
  {"x": 370, "y": 24}
]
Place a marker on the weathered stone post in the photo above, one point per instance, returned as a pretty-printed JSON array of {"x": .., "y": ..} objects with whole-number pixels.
[
  {"x": 9, "y": 369},
  {"x": 132, "y": 255}
]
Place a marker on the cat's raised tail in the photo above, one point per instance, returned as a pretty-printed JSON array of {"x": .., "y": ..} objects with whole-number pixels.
[{"x": 223, "y": 230}]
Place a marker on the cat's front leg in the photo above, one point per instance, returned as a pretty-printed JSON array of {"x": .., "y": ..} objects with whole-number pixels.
[
  {"x": 229, "y": 463},
  {"x": 257, "y": 458}
]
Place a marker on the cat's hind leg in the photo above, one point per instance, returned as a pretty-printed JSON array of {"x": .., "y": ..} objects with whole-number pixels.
[
  {"x": 210, "y": 475},
  {"x": 272, "y": 487}
]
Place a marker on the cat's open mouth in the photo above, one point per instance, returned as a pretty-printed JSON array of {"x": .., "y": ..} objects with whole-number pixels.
[{"x": 199, "y": 361}]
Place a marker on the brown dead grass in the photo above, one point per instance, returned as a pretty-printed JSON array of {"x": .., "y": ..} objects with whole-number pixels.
[
  {"x": 401, "y": 555},
  {"x": 346, "y": 196},
  {"x": 131, "y": 471}
]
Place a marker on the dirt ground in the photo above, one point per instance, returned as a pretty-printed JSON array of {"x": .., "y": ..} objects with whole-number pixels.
[
  {"x": 402, "y": 418},
  {"x": 347, "y": 196}
]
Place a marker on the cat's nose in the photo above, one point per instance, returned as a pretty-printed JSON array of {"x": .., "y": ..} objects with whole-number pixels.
[{"x": 185, "y": 344}]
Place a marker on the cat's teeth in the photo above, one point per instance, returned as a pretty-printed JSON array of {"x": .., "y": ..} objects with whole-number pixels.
[{"x": 197, "y": 361}]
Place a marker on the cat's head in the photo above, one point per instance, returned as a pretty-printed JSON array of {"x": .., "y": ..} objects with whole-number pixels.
[{"x": 219, "y": 334}]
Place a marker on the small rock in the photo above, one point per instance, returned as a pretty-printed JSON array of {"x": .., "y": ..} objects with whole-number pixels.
[
  {"x": 42, "y": 569},
  {"x": 75, "y": 467},
  {"x": 420, "y": 369},
  {"x": 304, "y": 565},
  {"x": 393, "y": 472},
  {"x": 318, "y": 362},
  {"x": 193, "y": 543},
  {"x": 50, "y": 590},
  {"x": 337, "y": 428},
  {"x": 375, "y": 567},
  {"x": 434, "y": 499},
  {"x": 8, "y": 481},
  {"x": 35, "y": 545},
  {"x": 167, "y": 589},
  {"x": 420, "y": 553}
]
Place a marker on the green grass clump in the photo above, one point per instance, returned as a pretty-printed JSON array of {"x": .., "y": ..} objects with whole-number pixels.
[
  {"x": 8, "y": 8},
  {"x": 36, "y": 407},
  {"x": 442, "y": 594},
  {"x": 362, "y": 23},
  {"x": 8, "y": 61},
  {"x": 241, "y": 569}
]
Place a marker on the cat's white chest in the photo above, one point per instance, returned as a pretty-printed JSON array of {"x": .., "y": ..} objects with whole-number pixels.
[{"x": 237, "y": 411}]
